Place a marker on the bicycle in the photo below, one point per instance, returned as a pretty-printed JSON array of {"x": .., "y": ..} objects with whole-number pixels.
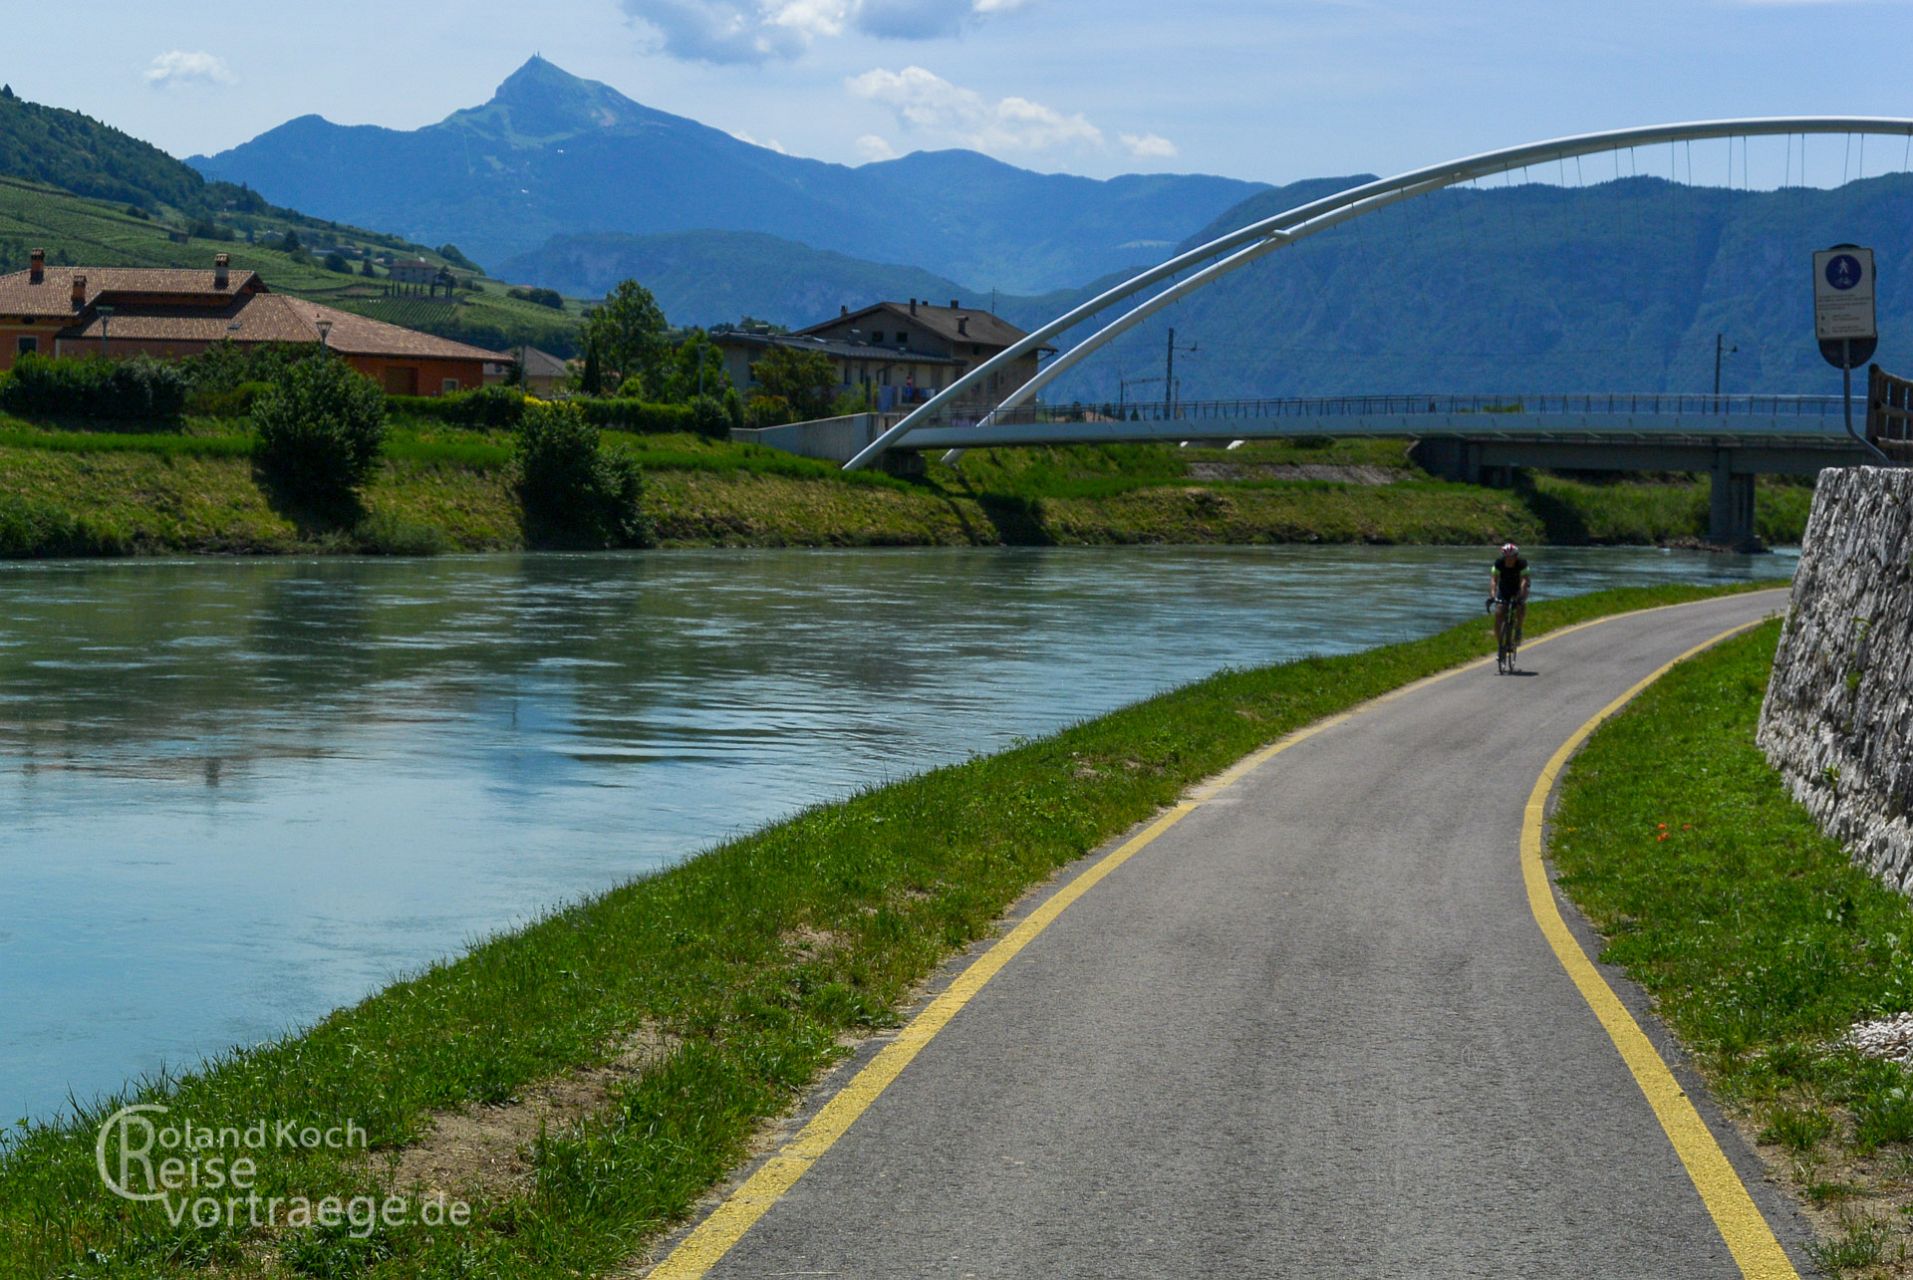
[{"x": 1507, "y": 635}]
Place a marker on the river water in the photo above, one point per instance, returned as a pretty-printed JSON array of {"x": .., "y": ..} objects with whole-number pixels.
[{"x": 235, "y": 794}]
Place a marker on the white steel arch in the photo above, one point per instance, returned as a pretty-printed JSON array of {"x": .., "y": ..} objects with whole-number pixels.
[{"x": 1245, "y": 244}]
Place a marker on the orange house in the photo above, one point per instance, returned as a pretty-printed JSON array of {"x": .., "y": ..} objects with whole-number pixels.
[{"x": 168, "y": 313}]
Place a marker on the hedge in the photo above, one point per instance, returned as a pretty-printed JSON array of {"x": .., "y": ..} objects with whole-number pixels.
[
  {"x": 136, "y": 390},
  {"x": 505, "y": 406}
]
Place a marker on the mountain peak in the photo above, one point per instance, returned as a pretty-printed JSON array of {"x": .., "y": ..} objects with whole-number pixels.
[{"x": 542, "y": 101}]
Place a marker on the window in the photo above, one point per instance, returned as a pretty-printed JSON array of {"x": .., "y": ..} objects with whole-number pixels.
[
  {"x": 903, "y": 339},
  {"x": 449, "y": 386},
  {"x": 29, "y": 346}
]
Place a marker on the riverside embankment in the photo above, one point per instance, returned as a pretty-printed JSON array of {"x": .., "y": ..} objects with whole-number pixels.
[
  {"x": 741, "y": 969},
  {"x": 88, "y": 492}
]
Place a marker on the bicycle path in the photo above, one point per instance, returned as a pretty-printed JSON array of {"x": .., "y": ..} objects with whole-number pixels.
[{"x": 1312, "y": 1029}]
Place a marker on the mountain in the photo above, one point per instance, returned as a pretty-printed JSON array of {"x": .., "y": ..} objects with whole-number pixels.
[
  {"x": 1619, "y": 287},
  {"x": 76, "y": 152},
  {"x": 707, "y": 277},
  {"x": 553, "y": 155}
]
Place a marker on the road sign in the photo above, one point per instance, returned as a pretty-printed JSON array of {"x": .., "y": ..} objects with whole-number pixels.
[{"x": 1843, "y": 318}]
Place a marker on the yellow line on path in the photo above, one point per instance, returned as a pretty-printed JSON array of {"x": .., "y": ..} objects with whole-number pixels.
[
  {"x": 714, "y": 1237},
  {"x": 1741, "y": 1225}
]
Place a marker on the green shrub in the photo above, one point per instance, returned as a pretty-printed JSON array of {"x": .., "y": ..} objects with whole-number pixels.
[
  {"x": 227, "y": 366},
  {"x": 848, "y": 403},
  {"x": 768, "y": 411},
  {"x": 386, "y": 533},
  {"x": 640, "y": 417},
  {"x": 734, "y": 407},
  {"x": 137, "y": 390},
  {"x": 495, "y": 407},
  {"x": 32, "y": 528},
  {"x": 543, "y": 297},
  {"x": 320, "y": 426},
  {"x": 708, "y": 417},
  {"x": 575, "y": 492},
  {"x": 230, "y": 402}
]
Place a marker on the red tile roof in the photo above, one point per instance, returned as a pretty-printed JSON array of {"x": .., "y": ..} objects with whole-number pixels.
[
  {"x": 167, "y": 305},
  {"x": 53, "y": 296},
  {"x": 984, "y": 328}
]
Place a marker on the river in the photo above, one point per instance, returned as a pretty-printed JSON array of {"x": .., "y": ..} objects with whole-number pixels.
[{"x": 235, "y": 794}]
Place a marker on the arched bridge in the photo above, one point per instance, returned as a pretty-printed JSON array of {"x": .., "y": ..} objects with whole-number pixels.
[
  {"x": 1732, "y": 437},
  {"x": 1469, "y": 438}
]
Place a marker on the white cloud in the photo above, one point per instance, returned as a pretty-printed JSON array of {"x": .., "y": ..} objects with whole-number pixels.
[
  {"x": 178, "y": 67},
  {"x": 927, "y": 102},
  {"x": 873, "y": 147},
  {"x": 762, "y": 30},
  {"x": 1149, "y": 146}
]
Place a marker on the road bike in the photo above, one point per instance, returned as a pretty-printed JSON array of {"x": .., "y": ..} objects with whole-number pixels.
[{"x": 1507, "y": 635}]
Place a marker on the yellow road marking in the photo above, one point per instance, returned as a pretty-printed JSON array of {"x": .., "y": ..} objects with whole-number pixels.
[
  {"x": 714, "y": 1237},
  {"x": 1741, "y": 1224}
]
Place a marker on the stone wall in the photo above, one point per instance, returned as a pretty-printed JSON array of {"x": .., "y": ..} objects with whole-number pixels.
[{"x": 1838, "y": 719}]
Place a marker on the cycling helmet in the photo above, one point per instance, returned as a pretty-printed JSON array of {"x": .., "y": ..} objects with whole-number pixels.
[{"x": 1506, "y": 547}]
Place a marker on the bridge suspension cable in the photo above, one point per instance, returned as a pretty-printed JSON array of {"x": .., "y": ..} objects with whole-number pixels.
[{"x": 1257, "y": 239}]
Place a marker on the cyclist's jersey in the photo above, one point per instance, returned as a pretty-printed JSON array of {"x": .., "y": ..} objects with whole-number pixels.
[{"x": 1508, "y": 577}]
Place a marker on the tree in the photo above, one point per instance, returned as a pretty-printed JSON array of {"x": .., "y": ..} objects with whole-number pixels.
[
  {"x": 628, "y": 333},
  {"x": 575, "y": 492},
  {"x": 694, "y": 368},
  {"x": 335, "y": 261},
  {"x": 320, "y": 427},
  {"x": 289, "y": 243},
  {"x": 365, "y": 267},
  {"x": 591, "y": 381},
  {"x": 806, "y": 380}
]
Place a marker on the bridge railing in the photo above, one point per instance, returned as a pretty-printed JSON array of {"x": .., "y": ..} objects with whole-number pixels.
[
  {"x": 1890, "y": 413},
  {"x": 1819, "y": 410}
]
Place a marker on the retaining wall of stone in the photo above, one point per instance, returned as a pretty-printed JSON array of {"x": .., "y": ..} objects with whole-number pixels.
[{"x": 1838, "y": 718}]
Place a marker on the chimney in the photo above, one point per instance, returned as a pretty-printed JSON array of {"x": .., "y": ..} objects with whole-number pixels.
[
  {"x": 953, "y": 304},
  {"x": 221, "y": 263},
  {"x": 842, "y": 311},
  {"x": 38, "y": 273},
  {"x": 79, "y": 292},
  {"x": 913, "y": 306},
  {"x": 963, "y": 326}
]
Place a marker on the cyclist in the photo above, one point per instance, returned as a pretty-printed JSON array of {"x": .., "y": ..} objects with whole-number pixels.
[{"x": 1508, "y": 585}]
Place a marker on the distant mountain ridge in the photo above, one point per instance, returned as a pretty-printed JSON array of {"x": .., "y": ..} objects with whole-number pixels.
[
  {"x": 552, "y": 154},
  {"x": 1619, "y": 287}
]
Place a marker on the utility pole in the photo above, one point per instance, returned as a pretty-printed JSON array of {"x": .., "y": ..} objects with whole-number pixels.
[
  {"x": 1169, "y": 376},
  {"x": 1720, "y": 340}
]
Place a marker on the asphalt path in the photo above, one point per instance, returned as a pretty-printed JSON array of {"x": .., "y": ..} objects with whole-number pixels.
[{"x": 1311, "y": 1030}]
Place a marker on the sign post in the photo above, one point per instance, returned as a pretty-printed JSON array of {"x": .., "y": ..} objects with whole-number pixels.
[{"x": 1843, "y": 317}]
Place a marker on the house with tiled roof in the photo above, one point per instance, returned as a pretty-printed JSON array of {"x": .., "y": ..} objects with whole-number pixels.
[
  {"x": 964, "y": 337},
  {"x": 174, "y": 313},
  {"x": 895, "y": 353}
]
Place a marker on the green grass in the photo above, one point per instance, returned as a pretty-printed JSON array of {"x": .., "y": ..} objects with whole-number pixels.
[
  {"x": 899, "y": 877},
  {"x": 1638, "y": 512},
  {"x": 713, "y": 492},
  {"x": 1759, "y": 941}
]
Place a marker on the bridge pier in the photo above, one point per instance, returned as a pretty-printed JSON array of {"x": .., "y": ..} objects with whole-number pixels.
[
  {"x": 1457, "y": 460},
  {"x": 1730, "y": 508}
]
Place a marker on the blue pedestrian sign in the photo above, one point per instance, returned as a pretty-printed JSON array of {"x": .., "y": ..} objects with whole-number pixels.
[
  {"x": 1843, "y": 294},
  {"x": 1843, "y": 272}
]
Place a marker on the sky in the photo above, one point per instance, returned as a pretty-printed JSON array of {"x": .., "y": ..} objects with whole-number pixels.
[{"x": 1268, "y": 90}]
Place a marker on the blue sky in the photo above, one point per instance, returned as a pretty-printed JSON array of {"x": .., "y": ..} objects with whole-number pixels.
[{"x": 1273, "y": 90}]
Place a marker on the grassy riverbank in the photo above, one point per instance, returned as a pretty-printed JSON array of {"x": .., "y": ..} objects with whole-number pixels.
[
  {"x": 68, "y": 491},
  {"x": 590, "y": 1076},
  {"x": 1760, "y": 942}
]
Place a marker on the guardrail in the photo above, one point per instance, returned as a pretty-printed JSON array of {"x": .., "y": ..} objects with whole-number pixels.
[{"x": 1818, "y": 409}]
